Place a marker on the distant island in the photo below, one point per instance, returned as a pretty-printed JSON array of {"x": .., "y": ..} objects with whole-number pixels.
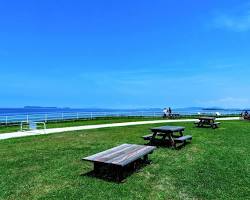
[
  {"x": 39, "y": 107},
  {"x": 214, "y": 108},
  {"x": 225, "y": 109}
]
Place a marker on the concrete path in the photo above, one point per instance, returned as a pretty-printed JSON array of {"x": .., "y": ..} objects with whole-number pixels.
[{"x": 87, "y": 127}]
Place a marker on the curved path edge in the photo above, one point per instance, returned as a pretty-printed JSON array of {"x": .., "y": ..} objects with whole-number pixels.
[{"x": 4, "y": 136}]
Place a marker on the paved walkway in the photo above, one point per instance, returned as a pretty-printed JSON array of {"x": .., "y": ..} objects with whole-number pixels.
[{"x": 87, "y": 127}]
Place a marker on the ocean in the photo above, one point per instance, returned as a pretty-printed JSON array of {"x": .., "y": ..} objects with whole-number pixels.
[
  {"x": 10, "y": 115},
  {"x": 40, "y": 110}
]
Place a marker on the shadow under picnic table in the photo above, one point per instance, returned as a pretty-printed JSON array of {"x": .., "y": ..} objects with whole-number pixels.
[{"x": 109, "y": 172}]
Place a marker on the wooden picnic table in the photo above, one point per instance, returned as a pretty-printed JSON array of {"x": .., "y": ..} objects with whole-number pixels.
[
  {"x": 118, "y": 158},
  {"x": 174, "y": 115},
  {"x": 168, "y": 135},
  {"x": 247, "y": 117},
  {"x": 207, "y": 121}
]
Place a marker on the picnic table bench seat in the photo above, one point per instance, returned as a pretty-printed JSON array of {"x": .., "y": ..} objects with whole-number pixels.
[
  {"x": 216, "y": 124},
  {"x": 147, "y": 137},
  {"x": 118, "y": 158},
  {"x": 183, "y": 138}
]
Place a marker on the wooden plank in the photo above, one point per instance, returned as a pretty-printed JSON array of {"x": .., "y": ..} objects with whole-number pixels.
[
  {"x": 168, "y": 129},
  {"x": 133, "y": 155},
  {"x": 103, "y": 153},
  {"x": 109, "y": 157}
]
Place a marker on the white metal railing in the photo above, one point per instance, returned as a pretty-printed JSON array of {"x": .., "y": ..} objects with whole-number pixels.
[{"x": 6, "y": 119}]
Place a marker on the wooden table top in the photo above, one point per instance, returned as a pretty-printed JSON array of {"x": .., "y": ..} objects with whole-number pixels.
[
  {"x": 164, "y": 129},
  {"x": 121, "y": 155},
  {"x": 206, "y": 118}
]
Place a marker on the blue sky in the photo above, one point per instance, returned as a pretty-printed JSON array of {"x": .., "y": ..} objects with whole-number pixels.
[{"x": 125, "y": 54}]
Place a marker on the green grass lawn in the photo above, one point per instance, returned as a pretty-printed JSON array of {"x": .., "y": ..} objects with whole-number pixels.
[
  {"x": 214, "y": 166},
  {"x": 104, "y": 120},
  {"x": 59, "y": 124}
]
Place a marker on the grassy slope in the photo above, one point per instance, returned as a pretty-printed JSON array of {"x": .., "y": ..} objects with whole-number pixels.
[
  {"x": 59, "y": 124},
  {"x": 214, "y": 166}
]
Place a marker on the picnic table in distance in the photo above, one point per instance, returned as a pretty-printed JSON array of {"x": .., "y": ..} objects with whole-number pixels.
[
  {"x": 168, "y": 135},
  {"x": 114, "y": 163},
  {"x": 207, "y": 121},
  {"x": 245, "y": 115},
  {"x": 174, "y": 115}
]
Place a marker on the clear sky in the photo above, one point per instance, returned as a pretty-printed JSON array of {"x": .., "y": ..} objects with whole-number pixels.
[{"x": 125, "y": 54}]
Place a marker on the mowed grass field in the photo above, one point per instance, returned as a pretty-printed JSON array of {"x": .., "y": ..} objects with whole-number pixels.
[
  {"x": 216, "y": 165},
  {"x": 94, "y": 121},
  {"x": 70, "y": 123}
]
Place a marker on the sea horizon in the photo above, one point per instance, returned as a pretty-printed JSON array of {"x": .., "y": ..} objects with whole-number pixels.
[{"x": 41, "y": 109}]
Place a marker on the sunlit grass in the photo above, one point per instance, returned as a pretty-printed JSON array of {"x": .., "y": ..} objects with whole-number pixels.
[{"x": 214, "y": 166}]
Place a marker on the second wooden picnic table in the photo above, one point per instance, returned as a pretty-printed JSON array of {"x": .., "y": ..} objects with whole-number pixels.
[
  {"x": 169, "y": 135},
  {"x": 207, "y": 121}
]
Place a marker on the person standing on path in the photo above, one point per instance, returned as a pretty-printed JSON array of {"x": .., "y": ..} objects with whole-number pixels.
[
  {"x": 169, "y": 111},
  {"x": 165, "y": 112}
]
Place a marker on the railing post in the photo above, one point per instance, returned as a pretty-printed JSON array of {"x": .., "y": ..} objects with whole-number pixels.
[
  {"x": 77, "y": 116},
  {"x": 27, "y": 118},
  {"x": 91, "y": 115},
  {"x": 6, "y": 120},
  {"x": 45, "y": 118}
]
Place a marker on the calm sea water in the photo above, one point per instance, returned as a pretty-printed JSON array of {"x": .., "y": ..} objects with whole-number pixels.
[
  {"x": 29, "y": 110},
  {"x": 17, "y": 115}
]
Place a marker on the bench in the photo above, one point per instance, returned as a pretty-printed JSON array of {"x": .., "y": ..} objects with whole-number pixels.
[
  {"x": 215, "y": 124},
  {"x": 117, "y": 160},
  {"x": 147, "y": 137},
  {"x": 31, "y": 125},
  {"x": 183, "y": 138}
]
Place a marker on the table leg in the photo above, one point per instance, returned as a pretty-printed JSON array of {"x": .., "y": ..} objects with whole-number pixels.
[
  {"x": 97, "y": 167},
  {"x": 119, "y": 173},
  {"x": 152, "y": 140},
  {"x": 181, "y": 133},
  {"x": 212, "y": 123},
  {"x": 145, "y": 159},
  {"x": 172, "y": 142},
  {"x": 164, "y": 139}
]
